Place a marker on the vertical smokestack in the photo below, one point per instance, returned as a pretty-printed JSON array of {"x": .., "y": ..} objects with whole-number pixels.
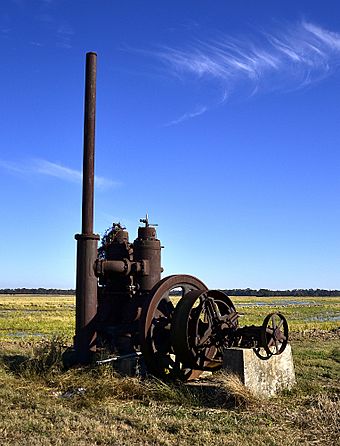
[
  {"x": 89, "y": 142},
  {"x": 87, "y": 241}
]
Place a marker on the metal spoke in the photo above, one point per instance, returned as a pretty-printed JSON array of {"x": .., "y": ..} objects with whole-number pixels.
[
  {"x": 157, "y": 318},
  {"x": 185, "y": 289},
  {"x": 205, "y": 337},
  {"x": 201, "y": 359},
  {"x": 271, "y": 342},
  {"x": 273, "y": 321},
  {"x": 274, "y": 333}
]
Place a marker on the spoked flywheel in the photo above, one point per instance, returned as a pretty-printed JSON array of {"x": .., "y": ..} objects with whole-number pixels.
[
  {"x": 203, "y": 325},
  {"x": 274, "y": 334},
  {"x": 156, "y": 321}
]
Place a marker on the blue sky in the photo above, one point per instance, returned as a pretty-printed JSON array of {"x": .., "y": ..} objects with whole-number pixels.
[{"x": 220, "y": 119}]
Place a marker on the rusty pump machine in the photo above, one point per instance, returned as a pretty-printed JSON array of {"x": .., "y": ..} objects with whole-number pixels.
[{"x": 124, "y": 307}]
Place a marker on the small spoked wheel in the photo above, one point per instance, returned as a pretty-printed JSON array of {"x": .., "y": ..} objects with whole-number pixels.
[
  {"x": 156, "y": 320},
  {"x": 202, "y": 321},
  {"x": 274, "y": 334}
]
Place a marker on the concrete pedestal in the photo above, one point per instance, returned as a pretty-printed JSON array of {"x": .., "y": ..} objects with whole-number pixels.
[{"x": 262, "y": 377}]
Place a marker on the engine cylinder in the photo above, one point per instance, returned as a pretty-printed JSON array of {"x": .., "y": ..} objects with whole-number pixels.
[{"x": 148, "y": 247}]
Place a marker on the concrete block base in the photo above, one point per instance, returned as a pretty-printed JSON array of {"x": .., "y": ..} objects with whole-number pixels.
[{"x": 262, "y": 377}]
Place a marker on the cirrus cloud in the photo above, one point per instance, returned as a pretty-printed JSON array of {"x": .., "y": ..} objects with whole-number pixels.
[
  {"x": 290, "y": 57},
  {"x": 56, "y": 170}
]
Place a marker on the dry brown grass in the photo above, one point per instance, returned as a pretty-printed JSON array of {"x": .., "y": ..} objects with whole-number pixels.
[
  {"x": 42, "y": 404},
  {"x": 234, "y": 390}
]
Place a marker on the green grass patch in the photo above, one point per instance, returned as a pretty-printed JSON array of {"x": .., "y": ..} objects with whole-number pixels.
[{"x": 29, "y": 317}]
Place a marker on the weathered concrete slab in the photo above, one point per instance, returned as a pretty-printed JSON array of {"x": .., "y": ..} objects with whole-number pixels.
[{"x": 262, "y": 377}]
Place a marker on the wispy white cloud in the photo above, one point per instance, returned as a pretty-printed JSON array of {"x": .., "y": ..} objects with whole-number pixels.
[
  {"x": 65, "y": 173},
  {"x": 12, "y": 167},
  {"x": 64, "y": 36},
  {"x": 291, "y": 57},
  {"x": 56, "y": 170},
  {"x": 48, "y": 168},
  {"x": 187, "y": 116}
]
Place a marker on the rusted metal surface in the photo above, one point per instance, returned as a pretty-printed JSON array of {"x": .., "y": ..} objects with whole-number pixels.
[
  {"x": 89, "y": 143},
  {"x": 200, "y": 326},
  {"x": 156, "y": 326},
  {"x": 148, "y": 247},
  {"x": 86, "y": 297},
  {"x": 274, "y": 334},
  {"x": 87, "y": 241},
  {"x": 205, "y": 323},
  {"x": 126, "y": 275}
]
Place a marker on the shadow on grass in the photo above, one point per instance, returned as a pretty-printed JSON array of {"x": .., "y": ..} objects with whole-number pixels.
[
  {"x": 13, "y": 363},
  {"x": 44, "y": 356}
]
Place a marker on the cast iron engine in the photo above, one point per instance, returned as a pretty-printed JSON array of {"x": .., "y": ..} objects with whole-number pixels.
[{"x": 180, "y": 326}]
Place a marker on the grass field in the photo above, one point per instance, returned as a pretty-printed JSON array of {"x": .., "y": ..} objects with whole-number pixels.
[
  {"x": 28, "y": 317},
  {"x": 32, "y": 316},
  {"x": 302, "y": 313},
  {"x": 42, "y": 404}
]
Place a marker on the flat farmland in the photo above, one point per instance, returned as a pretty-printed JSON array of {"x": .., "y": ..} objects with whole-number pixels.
[
  {"x": 34, "y": 316},
  {"x": 28, "y": 317},
  {"x": 302, "y": 313},
  {"x": 43, "y": 404}
]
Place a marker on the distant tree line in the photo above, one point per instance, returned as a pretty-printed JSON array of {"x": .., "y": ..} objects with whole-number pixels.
[
  {"x": 44, "y": 291},
  {"x": 263, "y": 292},
  {"x": 296, "y": 292}
]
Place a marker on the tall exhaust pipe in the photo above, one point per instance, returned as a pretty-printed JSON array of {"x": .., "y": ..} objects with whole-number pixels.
[{"x": 87, "y": 241}]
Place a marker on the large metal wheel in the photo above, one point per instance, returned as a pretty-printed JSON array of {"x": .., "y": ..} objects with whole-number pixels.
[
  {"x": 203, "y": 326},
  {"x": 274, "y": 334},
  {"x": 156, "y": 320}
]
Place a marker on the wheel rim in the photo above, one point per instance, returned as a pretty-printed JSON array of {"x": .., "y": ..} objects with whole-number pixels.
[
  {"x": 202, "y": 327},
  {"x": 274, "y": 334},
  {"x": 156, "y": 320}
]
